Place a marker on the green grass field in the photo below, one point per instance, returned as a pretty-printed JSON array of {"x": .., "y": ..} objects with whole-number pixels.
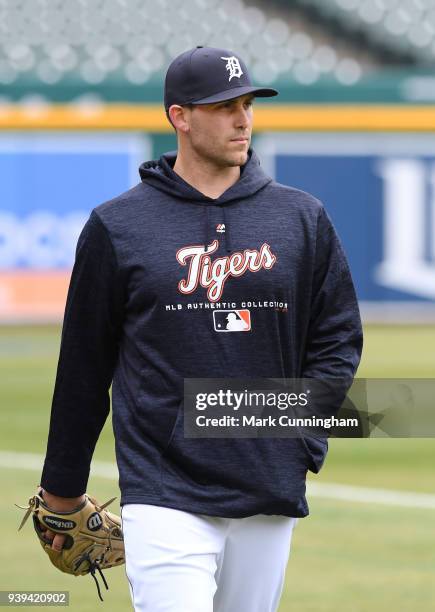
[{"x": 345, "y": 557}]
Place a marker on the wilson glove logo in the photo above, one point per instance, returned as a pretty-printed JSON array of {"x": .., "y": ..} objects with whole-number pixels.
[
  {"x": 94, "y": 522},
  {"x": 58, "y": 523}
]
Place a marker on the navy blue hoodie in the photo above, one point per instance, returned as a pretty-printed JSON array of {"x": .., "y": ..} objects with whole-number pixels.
[{"x": 152, "y": 267}]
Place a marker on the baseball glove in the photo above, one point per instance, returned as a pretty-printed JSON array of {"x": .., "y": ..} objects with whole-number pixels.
[{"x": 94, "y": 539}]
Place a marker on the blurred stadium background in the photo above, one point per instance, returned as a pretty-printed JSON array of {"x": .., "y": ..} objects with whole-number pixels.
[{"x": 81, "y": 107}]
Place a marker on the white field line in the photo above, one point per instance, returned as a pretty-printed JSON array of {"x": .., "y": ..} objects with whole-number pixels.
[
  {"x": 33, "y": 462},
  {"x": 387, "y": 497}
]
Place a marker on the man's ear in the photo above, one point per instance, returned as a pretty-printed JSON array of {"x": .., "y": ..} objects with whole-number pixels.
[{"x": 179, "y": 117}]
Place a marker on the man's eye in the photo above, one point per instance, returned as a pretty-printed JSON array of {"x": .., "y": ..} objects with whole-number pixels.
[{"x": 230, "y": 104}]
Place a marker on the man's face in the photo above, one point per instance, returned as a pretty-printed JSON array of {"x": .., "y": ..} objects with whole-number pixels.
[{"x": 221, "y": 132}]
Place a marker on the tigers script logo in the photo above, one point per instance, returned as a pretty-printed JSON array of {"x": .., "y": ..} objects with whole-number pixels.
[{"x": 212, "y": 275}]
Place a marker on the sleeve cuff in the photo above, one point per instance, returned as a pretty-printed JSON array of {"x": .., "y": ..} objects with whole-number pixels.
[{"x": 64, "y": 482}]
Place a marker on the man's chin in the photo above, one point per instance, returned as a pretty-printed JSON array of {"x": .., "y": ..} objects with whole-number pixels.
[
  {"x": 230, "y": 159},
  {"x": 238, "y": 159}
]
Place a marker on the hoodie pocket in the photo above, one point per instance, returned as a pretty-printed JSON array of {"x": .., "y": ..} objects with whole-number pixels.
[
  {"x": 272, "y": 468},
  {"x": 176, "y": 425},
  {"x": 316, "y": 450}
]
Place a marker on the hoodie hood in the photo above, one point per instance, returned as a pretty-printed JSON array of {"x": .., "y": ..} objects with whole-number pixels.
[{"x": 160, "y": 175}]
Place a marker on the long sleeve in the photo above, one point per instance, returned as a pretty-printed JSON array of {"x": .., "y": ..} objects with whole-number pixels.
[
  {"x": 334, "y": 342},
  {"x": 88, "y": 355}
]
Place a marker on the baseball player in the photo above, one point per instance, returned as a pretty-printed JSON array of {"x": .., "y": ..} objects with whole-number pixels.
[{"x": 207, "y": 522}]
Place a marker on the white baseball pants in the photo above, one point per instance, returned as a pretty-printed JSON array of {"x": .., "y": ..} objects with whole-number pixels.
[{"x": 177, "y": 561}]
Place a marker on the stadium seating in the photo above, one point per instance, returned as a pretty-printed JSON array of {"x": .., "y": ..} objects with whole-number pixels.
[
  {"x": 94, "y": 42},
  {"x": 404, "y": 26}
]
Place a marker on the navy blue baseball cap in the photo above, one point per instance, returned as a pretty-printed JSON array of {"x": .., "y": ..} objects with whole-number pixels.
[{"x": 204, "y": 75}]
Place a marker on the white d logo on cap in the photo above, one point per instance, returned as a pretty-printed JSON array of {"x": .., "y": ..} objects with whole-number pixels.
[{"x": 233, "y": 65}]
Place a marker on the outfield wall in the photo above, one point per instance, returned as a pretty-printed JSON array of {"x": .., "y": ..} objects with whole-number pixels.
[{"x": 372, "y": 166}]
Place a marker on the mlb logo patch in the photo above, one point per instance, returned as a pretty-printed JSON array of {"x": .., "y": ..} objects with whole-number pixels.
[{"x": 232, "y": 320}]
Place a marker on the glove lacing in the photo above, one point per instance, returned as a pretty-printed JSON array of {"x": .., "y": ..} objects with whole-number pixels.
[{"x": 94, "y": 565}]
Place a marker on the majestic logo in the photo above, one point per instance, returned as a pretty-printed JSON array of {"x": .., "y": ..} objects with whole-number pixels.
[
  {"x": 232, "y": 320},
  {"x": 409, "y": 227},
  {"x": 233, "y": 66},
  {"x": 220, "y": 228},
  {"x": 213, "y": 275}
]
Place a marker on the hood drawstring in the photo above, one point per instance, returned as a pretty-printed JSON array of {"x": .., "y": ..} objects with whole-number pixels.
[
  {"x": 206, "y": 229},
  {"x": 226, "y": 234},
  {"x": 227, "y": 231}
]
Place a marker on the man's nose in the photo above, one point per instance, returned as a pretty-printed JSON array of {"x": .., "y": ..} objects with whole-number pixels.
[{"x": 243, "y": 117}]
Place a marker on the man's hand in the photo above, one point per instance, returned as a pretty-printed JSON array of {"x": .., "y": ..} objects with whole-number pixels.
[{"x": 59, "y": 504}]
